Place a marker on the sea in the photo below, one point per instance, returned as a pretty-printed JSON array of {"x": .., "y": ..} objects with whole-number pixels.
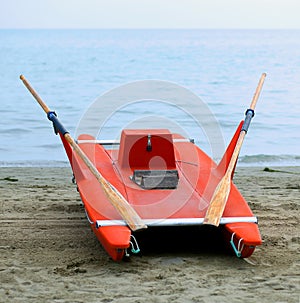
[{"x": 199, "y": 81}]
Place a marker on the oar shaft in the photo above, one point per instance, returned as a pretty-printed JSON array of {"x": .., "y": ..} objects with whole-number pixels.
[
  {"x": 35, "y": 95},
  {"x": 250, "y": 111},
  {"x": 257, "y": 91},
  {"x": 115, "y": 198},
  {"x": 236, "y": 153},
  {"x": 246, "y": 124}
]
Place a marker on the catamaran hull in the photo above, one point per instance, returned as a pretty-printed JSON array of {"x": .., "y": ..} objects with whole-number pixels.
[{"x": 179, "y": 200}]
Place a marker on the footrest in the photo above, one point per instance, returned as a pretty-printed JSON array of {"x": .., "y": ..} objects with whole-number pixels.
[{"x": 156, "y": 179}]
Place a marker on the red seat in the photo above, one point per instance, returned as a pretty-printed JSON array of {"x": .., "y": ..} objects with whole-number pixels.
[{"x": 147, "y": 149}]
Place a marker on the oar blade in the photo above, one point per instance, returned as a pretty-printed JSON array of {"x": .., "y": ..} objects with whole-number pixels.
[
  {"x": 218, "y": 202},
  {"x": 126, "y": 211}
]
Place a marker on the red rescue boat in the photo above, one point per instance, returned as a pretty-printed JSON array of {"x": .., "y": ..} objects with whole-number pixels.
[
  {"x": 164, "y": 178},
  {"x": 171, "y": 191}
]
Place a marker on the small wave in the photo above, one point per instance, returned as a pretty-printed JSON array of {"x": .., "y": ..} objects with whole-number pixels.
[
  {"x": 15, "y": 131},
  {"x": 40, "y": 163},
  {"x": 248, "y": 160},
  {"x": 276, "y": 160},
  {"x": 50, "y": 146}
]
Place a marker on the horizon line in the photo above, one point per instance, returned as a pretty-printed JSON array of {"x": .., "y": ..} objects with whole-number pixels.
[{"x": 147, "y": 28}]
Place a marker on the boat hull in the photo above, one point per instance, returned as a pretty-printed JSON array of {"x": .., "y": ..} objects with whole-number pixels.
[{"x": 164, "y": 202}]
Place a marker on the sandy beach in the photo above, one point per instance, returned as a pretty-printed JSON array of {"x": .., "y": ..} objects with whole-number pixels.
[{"x": 49, "y": 254}]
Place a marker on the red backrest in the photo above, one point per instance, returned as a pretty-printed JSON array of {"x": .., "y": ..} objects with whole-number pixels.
[{"x": 133, "y": 151}]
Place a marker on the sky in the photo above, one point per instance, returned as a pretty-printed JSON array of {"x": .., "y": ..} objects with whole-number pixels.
[{"x": 243, "y": 14}]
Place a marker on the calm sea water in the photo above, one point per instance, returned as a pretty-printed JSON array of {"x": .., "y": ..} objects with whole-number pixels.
[{"x": 71, "y": 68}]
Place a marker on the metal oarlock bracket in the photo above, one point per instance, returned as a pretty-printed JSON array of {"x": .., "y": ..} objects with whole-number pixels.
[
  {"x": 249, "y": 115},
  {"x": 58, "y": 127}
]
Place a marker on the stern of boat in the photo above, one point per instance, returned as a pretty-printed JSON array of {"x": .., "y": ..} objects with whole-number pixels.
[
  {"x": 242, "y": 237},
  {"x": 115, "y": 239}
]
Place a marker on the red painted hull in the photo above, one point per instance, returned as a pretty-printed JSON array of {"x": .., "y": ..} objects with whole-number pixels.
[{"x": 187, "y": 201}]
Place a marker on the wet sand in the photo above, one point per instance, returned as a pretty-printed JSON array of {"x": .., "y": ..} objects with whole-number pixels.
[{"x": 49, "y": 254}]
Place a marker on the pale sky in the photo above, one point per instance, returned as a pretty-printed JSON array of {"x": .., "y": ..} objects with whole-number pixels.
[{"x": 278, "y": 14}]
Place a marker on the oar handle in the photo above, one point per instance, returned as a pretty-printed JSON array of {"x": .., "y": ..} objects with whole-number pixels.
[
  {"x": 257, "y": 91},
  {"x": 35, "y": 95},
  {"x": 250, "y": 111}
]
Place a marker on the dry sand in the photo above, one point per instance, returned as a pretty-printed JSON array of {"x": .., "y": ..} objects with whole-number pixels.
[{"x": 49, "y": 254}]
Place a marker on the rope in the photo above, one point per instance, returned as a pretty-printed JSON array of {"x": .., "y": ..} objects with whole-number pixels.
[
  {"x": 137, "y": 249},
  {"x": 238, "y": 250}
]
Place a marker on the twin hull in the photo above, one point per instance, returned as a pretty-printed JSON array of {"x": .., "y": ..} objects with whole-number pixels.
[{"x": 167, "y": 179}]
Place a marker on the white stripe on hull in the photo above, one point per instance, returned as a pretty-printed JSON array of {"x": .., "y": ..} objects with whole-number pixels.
[
  {"x": 177, "y": 222},
  {"x": 112, "y": 142}
]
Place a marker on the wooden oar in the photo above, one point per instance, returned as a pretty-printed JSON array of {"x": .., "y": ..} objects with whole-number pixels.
[
  {"x": 219, "y": 199},
  {"x": 114, "y": 196}
]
